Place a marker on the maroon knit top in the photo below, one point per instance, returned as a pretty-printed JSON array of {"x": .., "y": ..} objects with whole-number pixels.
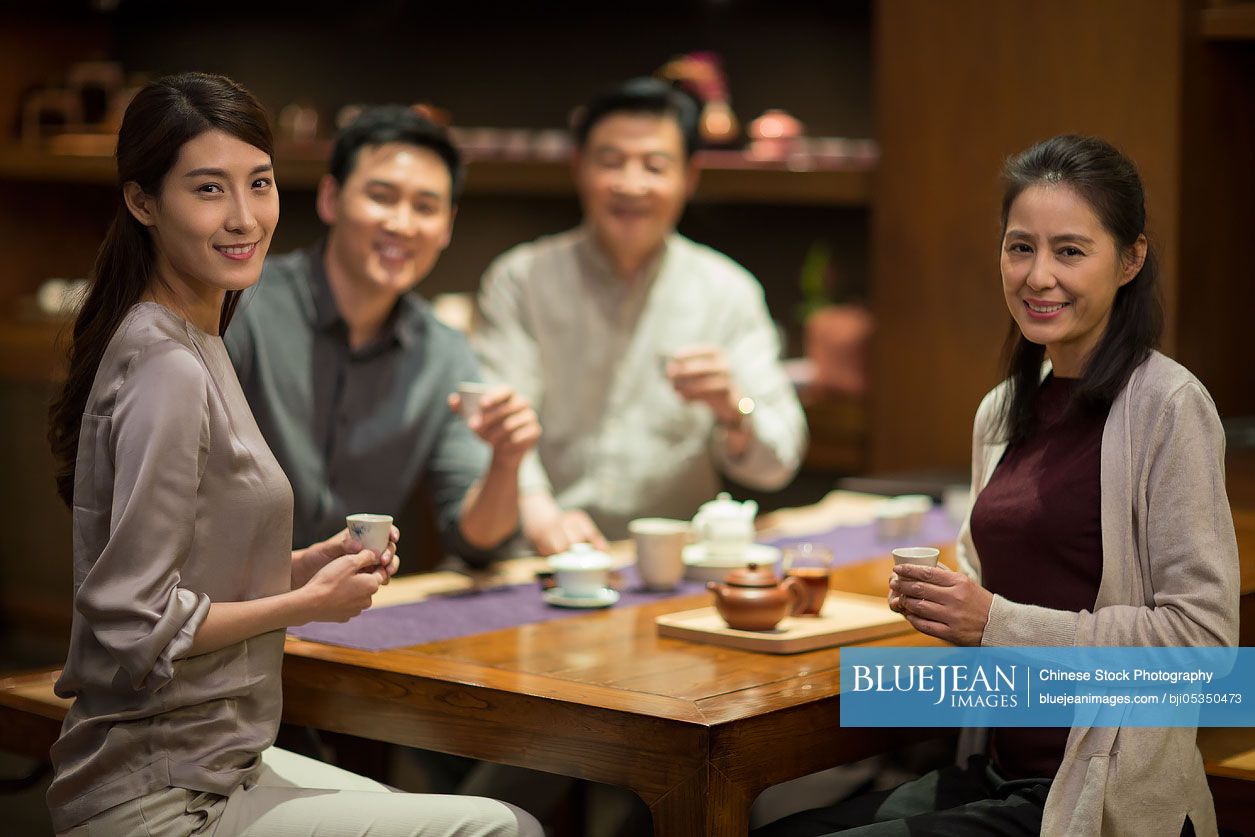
[{"x": 1038, "y": 531}]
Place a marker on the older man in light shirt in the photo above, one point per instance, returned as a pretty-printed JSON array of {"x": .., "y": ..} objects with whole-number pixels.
[{"x": 651, "y": 359}]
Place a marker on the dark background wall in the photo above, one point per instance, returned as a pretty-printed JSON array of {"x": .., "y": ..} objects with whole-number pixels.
[
  {"x": 488, "y": 64},
  {"x": 948, "y": 89}
]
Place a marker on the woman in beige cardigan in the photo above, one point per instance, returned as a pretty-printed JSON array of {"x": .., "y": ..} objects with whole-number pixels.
[{"x": 1099, "y": 519}]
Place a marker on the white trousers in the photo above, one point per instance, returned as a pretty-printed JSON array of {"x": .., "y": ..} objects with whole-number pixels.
[{"x": 295, "y": 796}]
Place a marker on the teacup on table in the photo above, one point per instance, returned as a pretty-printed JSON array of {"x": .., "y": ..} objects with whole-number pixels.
[
  {"x": 659, "y": 550},
  {"x": 372, "y": 531},
  {"x": 582, "y": 572}
]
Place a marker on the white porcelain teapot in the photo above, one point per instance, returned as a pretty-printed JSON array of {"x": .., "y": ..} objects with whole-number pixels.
[{"x": 724, "y": 526}]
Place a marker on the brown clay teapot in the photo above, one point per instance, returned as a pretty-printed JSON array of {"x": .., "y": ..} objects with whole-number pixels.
[{"x": 751, "y": 599}]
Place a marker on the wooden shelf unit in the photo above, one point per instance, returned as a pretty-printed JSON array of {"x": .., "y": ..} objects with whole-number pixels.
[{"x": 755, "y": 183}]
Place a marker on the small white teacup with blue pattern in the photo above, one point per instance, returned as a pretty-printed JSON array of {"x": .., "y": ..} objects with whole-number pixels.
[{"x": 372, "y": 531}]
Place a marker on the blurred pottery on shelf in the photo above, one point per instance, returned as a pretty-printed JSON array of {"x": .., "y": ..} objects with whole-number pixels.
[
  {"x": 718, "y": 124},
  {"x": 298, "y": 122},
  {"x": 836, "y": 342},
  {"x": 701, "y": 74},
  {"x": 441, "y": 116},
  {"x": 346, "y": 115},
  {"x": 775, "y": 135},
  {"x": 95, "y": 83}
]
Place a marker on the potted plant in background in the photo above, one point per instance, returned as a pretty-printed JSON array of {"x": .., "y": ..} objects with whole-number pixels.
[{"x": 837, "y": 327}]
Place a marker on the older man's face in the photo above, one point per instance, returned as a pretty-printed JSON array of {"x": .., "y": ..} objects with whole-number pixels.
[{"x": 633, "y": 181}]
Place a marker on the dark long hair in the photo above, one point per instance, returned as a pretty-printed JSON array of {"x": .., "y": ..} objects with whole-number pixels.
[
  {"x": 161, "y": 118},
  {"x": 1107, "y": 181}
]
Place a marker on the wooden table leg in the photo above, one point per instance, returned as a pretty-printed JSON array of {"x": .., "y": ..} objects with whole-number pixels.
[{"x": 706, "y": 803}]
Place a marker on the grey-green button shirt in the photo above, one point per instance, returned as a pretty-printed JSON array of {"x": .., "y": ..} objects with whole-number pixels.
[
  {"x": 586, "y": 347},
  {"x": 177, "y": 502},
  {"x": 355, "y": 429}
]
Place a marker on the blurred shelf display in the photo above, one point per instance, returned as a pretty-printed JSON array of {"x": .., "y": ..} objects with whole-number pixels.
[
  {"x": 823, "y": 172},
  {"x": 1230, "y": 22}
]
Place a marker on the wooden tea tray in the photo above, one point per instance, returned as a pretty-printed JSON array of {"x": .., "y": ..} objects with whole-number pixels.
[{"x": 846, "y": 618}]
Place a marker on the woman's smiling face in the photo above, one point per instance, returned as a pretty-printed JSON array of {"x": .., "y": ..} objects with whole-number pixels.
[
  {"x": 1061, "y": 269},
  {"x": 214, "y": 217}
]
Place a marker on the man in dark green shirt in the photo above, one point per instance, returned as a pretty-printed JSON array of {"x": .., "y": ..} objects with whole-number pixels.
[{"x": 350, "y": 375}]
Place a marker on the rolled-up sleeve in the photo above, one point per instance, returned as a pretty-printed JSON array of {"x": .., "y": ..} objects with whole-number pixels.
[{"x": 157, "y": 440}]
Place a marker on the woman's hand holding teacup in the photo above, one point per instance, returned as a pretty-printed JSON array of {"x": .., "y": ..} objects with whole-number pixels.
[
  {"x": 343, "y": 588},
  {"x": 940, "y": 602},
  {"x": 306, "y": 563}
]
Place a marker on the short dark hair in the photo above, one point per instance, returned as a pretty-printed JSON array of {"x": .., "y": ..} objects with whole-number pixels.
[
  {"x": 1109, "y": 182},
  {"x": 394, "y": 123},
  {"x": 640, "y": 95}
]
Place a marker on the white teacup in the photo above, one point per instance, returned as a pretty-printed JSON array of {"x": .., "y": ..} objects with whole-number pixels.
[
  {"x": 892, "y": 521},
  {"x": 471, "y": 393},
  {"x": 916, "y": 506},
  {"x": 581, "y": 572},
  {"x": 925, "y": 555},
  {"x": 659, "y": 550},
  {"x": 372, "y": 531}
]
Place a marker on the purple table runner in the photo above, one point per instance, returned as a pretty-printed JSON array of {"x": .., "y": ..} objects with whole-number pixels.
[
  {"x": 852, "y": 544},
  {"x": 463, "y": 614},
  {"x": 476, "y": 612}
]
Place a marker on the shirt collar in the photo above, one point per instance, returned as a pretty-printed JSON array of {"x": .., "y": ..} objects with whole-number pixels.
[
  {"x": 597, "y": 264},
  {"x": 404, "y": 326}
]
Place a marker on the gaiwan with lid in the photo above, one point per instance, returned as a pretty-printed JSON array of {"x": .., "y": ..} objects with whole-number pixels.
[
  {"x": 724, "y": 526},
  {"x": 581, "y": 571},
  {"x": 752, "y": 599}
]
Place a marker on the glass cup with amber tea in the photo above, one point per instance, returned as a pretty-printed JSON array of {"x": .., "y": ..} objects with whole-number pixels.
[{"x": 810, "y": 563}]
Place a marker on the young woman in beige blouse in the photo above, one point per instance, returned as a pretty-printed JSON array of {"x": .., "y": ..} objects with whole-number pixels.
[{"x": 184, "y": 580}]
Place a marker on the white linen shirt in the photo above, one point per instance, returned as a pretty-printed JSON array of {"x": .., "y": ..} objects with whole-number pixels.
[{"x": 587, "y": 348}]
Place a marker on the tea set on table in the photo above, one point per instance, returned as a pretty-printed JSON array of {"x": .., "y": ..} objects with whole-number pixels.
[
  {"x": 755, "y": 586},
  {"x": 717, "y": 547}
]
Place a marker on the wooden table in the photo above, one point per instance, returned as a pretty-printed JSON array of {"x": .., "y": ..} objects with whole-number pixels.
[{"x": 697, "y": 731}]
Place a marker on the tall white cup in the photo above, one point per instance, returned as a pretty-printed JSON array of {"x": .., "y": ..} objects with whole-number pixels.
[{"x": 659, "y": 550}]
